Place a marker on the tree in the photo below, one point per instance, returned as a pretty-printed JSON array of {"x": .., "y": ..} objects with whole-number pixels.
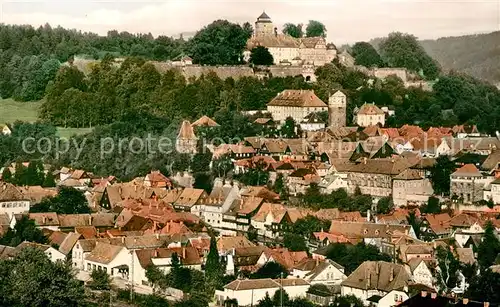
[
  {"x": 100, "y": 280},
  {"x": 156, "y": 277},
  {"x": 260, "y": 55},
  {"x": 294, "y": 30},
  {"x": 366, "y": 55},
  {"x": 281, "y": 298},
  {"x": 32, "y": 279},
  {"x": 266, "y": 301},
  {"x": 315, "y": 28},
  {"x": 24, "y": 230},
  {"x": 385, "y": 205},
  {"x": 347, "y": 301},
  {"x": 433, "y": 206},
  {"x": 484, "y": 288},
  {"x": 33, "y": 174},
  {"x": 289, "y": 128},
  {"x": 272, "y": 270},
  {"x": 414, "y": 223},
  {"x": 313, "y": 194},
  {"x": 403, "y": 50},
  {"x": 489, "y": 248},
  {"x": 67, "y": 201},
  {"x": 213, "y": 267},
  {"x": 449, "y": 268},
  {"x": 6, "y": 175},
  {"x": 221, "y": 42},
  {"x": 20, "y": 174},
  {"x": 440, "y": 175},
  {"x": 49, "y": 181},
  {"x": 294, "y": 242},
  {"x": 351, "y": 256}
]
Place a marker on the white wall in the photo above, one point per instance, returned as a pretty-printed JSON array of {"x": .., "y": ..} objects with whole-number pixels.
[
  {"x": 392, "y": 298},
  {"x": 15, "y": 207}
]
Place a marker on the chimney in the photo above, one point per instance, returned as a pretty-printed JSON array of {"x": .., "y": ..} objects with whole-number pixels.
[
  {"x": 465, "y": 301},
  {"x": 135, "y": 188},
  {"x": 123, "y": 240},
  {"x": 391, "y": 278},
  {"x": 423, "y": 293},
  {"x": 433, "y": 295},
  {"x": 364, "y": 160},
  {"x": 156, "y": 253},
  {"x": 486, "y": 304},
  {"x": 157, "y": 236},
  {"x": 90, "y": 220},
  {"x": 183, "y": 253}
]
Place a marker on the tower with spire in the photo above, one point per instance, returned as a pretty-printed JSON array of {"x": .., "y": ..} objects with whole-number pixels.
[{"x": 263, "y": 26}]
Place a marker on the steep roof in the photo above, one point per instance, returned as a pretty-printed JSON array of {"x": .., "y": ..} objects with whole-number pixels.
[
  {"x": 370, "y": 109},
  {"x": 103, "y": 253},
  {"x": 186, "y": 131},
  {"x": 492, "y": 160},
  {"x": 187, "y": 255},
  {"x": 264, "y": 16},
  {"x": 228, "y": 243},
  {"x": 466, "y": 255},
  {"x": 205, "y": 121},
  {"x": 280, "y": 40},
  {"x": 189, "y": 197},
  {"x": 265, "y": 283},
  {"x": 323, "y": 265},
  {"x": 297, "y": 98},
  {"x": 9, "y": 192},
  {"x": 378, "y": 275},
  {"x": 367, "y": 229},
  {"x": 67, "y": 245},
  {"x": 468, "y": 170},
  {"x": 392, "y": 166}
]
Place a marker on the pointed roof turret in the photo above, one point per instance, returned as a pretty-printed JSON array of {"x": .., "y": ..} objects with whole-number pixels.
[
  {"x": 186, "y": 131},
  {"x": 264, "y": 16}
]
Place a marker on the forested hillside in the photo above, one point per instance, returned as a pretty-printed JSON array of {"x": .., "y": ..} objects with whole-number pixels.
[
  {"x": 30, "y": 58},
  {"x": 476, "y": 55}
]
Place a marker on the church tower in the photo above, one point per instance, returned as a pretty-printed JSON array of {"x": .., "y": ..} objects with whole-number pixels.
[
  {"x": 263, "y": 25},
  {"x": 337, "y": 110}
]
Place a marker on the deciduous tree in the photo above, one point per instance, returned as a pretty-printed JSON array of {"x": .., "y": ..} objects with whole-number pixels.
[
  {"x": 294, "y": 30},
  {"x": 315, "y": 28},
  {"x": 260, "y": 55}
]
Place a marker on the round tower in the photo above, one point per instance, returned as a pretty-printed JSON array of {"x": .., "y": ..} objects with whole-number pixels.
[
  {"x": 264, "y": 25},
  {"x": 337, "y": 110}
]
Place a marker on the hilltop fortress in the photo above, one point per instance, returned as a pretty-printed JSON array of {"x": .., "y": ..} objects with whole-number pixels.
[
  {"x": 292, "y": 57},
  {"x": 288, "y": 50}
]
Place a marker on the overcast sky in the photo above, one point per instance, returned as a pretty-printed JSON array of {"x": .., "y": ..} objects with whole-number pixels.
[{"x": 346, "y": 20}]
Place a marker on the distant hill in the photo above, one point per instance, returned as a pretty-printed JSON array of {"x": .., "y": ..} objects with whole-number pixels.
[{"x": 477, "y": 55}]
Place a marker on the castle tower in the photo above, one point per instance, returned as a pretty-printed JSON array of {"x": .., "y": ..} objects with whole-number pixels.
[
  {"x": 337, "y": 110},
  {"x": 263, "y": 26}
]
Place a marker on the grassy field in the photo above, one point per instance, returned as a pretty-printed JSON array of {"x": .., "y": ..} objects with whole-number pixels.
[
  {"x": 68, "y": 132},
  {"x": 11, "y": 110}
]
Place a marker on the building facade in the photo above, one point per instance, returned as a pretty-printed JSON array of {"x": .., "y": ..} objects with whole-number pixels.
[
  {"x": 370, "y": 115},
  {"x": 337, "y": 110},
  {"x": 288, "y": 50},
  {"x": 296, "y": 104}
]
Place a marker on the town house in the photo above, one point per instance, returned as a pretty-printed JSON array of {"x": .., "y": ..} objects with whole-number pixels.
[
  {"x": 378, "y": 282},
  {"x": 374, "y": 176},
  {"x": 12, "y": 201},
  {"x": 468, "y": 183},
  {"x": 296, "y": 104}
]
